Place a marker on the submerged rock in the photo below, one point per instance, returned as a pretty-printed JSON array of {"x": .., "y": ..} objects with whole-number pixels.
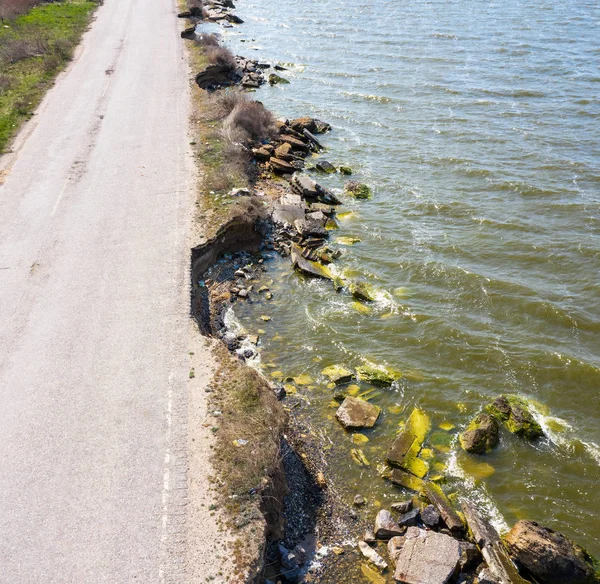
[
  {"x": 356, "y": 413},
  {"x": 513, "y": 412},
  {"x": 307, "y": 266},
  {"x": 549, "y": 556},
  {"x": 482, "y": 434},
  {"x": 386, "y": 526},
  {"x": 427, "y": 557},
  {"x": 337, "y": 374},
  {"x": 372, "y": 555},
  {"x": 358, "y": 190},
  {"x": 325, "y": 166},
  {"x": 375, "y": 374},
  {"x": 407, "y": 446},
  {"x": 345, "y": 170},
  {"x": 362, "y": 291}
]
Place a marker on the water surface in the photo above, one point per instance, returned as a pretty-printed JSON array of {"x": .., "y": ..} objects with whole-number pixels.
[{"x": 477, "y": 125}]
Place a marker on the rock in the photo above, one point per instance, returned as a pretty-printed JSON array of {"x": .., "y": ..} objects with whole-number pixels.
[
  {"x": 376, "y": 374},
  {"x": 410, "y": 518},
  {"x": 548, "y": 555},
  {"x": 308, "y": 267},
  {"x": 281, "y": 166},
  {"x": 470, "y": 556},
  {"x": 243, "y": 293},
  {"x": 407, "y": 480},
  {"x": 372, "y": 556},
  {"x": 307, "y": 228},
  {"x": 427, "y": 557},
  {"x": 233, "y": 18},
  {"x": 316, "y": 216},
  {"x": 274, "y": 79},
  {"x": 294, "y": 142},
  {"x": 321, "y": 480},
  {"x": 284, "y": 152},
  {"x": 240, "y": 192},
  {"x": 357, "y": 413},
  {"x": 386, "y": 526},
  {"x": 430, "y": 516},
  {"x": 337, "y": 374},
  {"x": 325, "y": 166},
  {"x": 403, "y": 507},
  {"x": 514, "y": 413},
  {"x": 407, "y": 446},
  {"x": 311, "y": 124},
  {"x": 263, "y": 154},
  {"x": 309, "y": 189},
  {"x": 358, "y": 190},
  {"x": 395, "y": 545},
  {"x": 189, "y": 33},
  {"x": 362, "y": 291},
  {"x": 502, "y": 570},
  {"x": 486, "y": 577},
  {"x": 482, "y": 434},
  {"x": 345, "y": 170},
  {"x": 439, "y": 500},
  {"x": 369, "y": 536},
  {"x": 359, "y": 501},
  {"x": 279, "y": 391}
]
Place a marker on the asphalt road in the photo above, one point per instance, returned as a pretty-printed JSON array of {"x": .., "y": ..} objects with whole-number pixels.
[{"x": 94, "y": 314}]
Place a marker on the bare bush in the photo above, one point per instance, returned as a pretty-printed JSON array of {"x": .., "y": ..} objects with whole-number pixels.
[
  {"x": 208, "y": 40},
  {"x": 223, "y": 102},
  {"x": 12, "y": 8},
  {"x": 221, "y": 56},
  {"x": 15, "y": 50},
  {"x": 5, "y": 83},
  {"x": 249, "y": 121},
  {"x": 62, "y": 48}
]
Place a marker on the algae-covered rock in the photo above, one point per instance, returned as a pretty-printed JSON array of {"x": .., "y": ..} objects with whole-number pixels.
[
  {"x": 376, "y": 374},
  {"x": 482, "y": 434},
  {"x": 356, "y": 413},
  {"x": 325, "y": 166},
  {"x": 549, "y": 556},
  {"x": 345, "y": 170},
  {"x": 347, "y": 240},
  {"x": 362, "y": 291},
  {"x": 307, "y": 266},
  {"x": 407, "y": 480},
  {"x": 405, "y": 449},
  {"x": 358, "y": 190},
  {"x": 337, "y": 373},
  {"x": 274, "y": 79},
  {"x": 513, "y": 412}
]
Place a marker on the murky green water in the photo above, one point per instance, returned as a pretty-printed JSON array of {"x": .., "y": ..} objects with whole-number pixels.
[{"x": 477, "y": 125}]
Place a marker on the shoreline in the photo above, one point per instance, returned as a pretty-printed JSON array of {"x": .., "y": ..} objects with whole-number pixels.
[{"x": 233, "y": 236}]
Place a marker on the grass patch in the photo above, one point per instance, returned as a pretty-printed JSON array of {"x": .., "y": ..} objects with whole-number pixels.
[
  {"x": 34, "y": 48},
  {"x": 247, "y": 450}
]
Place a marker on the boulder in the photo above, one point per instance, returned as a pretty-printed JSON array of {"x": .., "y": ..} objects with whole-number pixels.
[
  {"x": 284, "y": 152},
  {"x": 358, "y": 190},
  {"x": 311, "y": 124},
  {"x": 362, "y": 291},
  {"x": 395, "y": 545},
  {"x": 294, "y": 142},
  {"x": 450, "y": 517},
  {"x": 281, "y": 166},
  {"x": 325, "y": 166},
  {"x": 513, "y": 412},
  {"x": 372, "y": 555},
  {"x": 427, "y": 557},
  {"x": 549, "y": 556},
  {"x": 405, "y": 449},
  {"x": 308, "y": 267},
  {"x": 308, "y": 189},
  {"x": 275, "y": 79},
  {"x": 357, "y": 413},
  {"x": 482, "y": 434},
  {"x": 430, "y": 516},
  {"x": 337, "y": 374},
  {"x": 262, "y": 154},
  {"x": 386, "y": 526},
  {"x": 376, "y": 374},
  {"x": 310, "y": 228},
  {"x": 410, "y": 518}
]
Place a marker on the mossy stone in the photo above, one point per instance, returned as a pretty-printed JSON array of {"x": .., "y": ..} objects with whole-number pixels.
[
  {"x": 358, "y": 190},
  {"x": 337, "y": 373},
  {"x": 482, "y": 434},
  {"x": 362, "y": 291},
  {"x": 375, "y": 374},
  {"x": 513, "y": 411}
]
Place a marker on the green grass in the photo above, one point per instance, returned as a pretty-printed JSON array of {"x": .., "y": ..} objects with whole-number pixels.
[{"x": 34, "y": 48}]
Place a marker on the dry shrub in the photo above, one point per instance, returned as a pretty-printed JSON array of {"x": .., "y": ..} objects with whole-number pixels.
[
  {"x": 221, "y": 56},
  {"x": 5, "y": 83},
  {"x": 249, "y": 121},
  {"x": 12, "y": 8},
  {"x": 62, "y": 48},
  {"x": 15, "y": 50},
  {"x": 208, "y": 40}
]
